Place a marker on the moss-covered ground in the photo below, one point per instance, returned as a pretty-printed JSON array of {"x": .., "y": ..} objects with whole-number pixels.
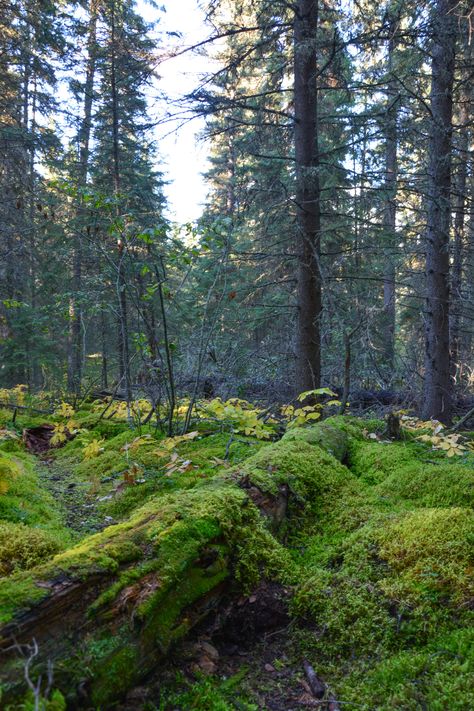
[{"x": 376, "y": 553}]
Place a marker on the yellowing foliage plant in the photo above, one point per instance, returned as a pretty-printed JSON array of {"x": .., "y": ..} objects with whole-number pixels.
[
  {"x": 433, "y": 433},
  {"x": 93, "y": 449}
]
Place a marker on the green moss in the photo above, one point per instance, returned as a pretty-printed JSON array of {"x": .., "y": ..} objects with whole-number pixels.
[
  {"x": 351, "y": 618},
  {"x": 115, "y": 675},
  {"x": 207, "y": 453},
  {"x": 355, "y": 427},
  {"x": 26, "y": 500},
  {"x": 18, "y": 591},
  {"x": 327, "y": 436},
  {"x": 379, "y": 557},
  {"x": 206, "y": 458},
  {"x": 402, "y": 472},
  {"x": 9, "y": 471},
  {"x": 431, "y": 555},
  {"x": 373, "y": 462},
  {"x": 106, "y": 464},
  {"x": 207, "y": 694},
  {"x": 12, "y": 446},
  {"x": 103, "y": 428},
  {"x": 102, "y": 552},
  {"x": 444, "y": 484},
  {"x": 312, "y": 474},
  {"x": 23, "y": 547},
  {"x": 163, "y": 612},
  {"x": 436, "y": 677},
  {"x": 54, "y": 702}
]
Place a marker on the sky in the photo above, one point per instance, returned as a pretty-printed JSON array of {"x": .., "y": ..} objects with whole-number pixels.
[{"x": 182, "y": 154}]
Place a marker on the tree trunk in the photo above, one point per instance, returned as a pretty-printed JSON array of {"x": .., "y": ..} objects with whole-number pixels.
[
  {"x": 462, "y": 151},
  {"x": 123, "y": 347},
  {"x": 103, "y": 344},
  {"x": 458, "y": 243},
  {"x": 437, "y": 400},
  {"x": 390, "y": 211},
  {"x": 308, "y": 217},
  {"x": 75, "y": 311}
]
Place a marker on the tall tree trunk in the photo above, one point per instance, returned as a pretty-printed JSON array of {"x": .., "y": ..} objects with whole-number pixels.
[
  {"x": 462, "y": 145},
  {"x": 75, "y": 310},
  {"x": 458, "y": 241},
  {"x": 123, "y": 349},
  {"x": 30, "y": 95},
  {"x": 468, "y": 334},
  {"x": 103, "y": 344},
  {"x": 437, "y": 400},
  {"x": 33, "y": 357},
  {"x": 308, "y": 217},
  {"x": 390, "y": 211}
]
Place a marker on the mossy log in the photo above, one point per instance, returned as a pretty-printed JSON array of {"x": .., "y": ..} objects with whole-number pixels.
[{"x": 106, "y": 611}]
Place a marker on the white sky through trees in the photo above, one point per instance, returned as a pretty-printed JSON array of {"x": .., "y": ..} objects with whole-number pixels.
[{"x": 184, "y": 156}]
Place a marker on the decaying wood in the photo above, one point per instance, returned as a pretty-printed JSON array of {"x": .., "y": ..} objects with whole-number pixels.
[
  {"x": 137, "y": 587},
  {"x": 26, "y": 408},
  {"x": 38, "y": 439},
  {"x": 318, "y": 687},
  {"x": 463, "y": 419},
  {"x": 393, "y": 430}
]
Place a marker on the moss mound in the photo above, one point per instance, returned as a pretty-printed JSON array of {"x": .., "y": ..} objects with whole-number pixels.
[
  {"x": 352, "y": 618},
  {"x": 436, "y": 677},
  {"x": 378, "y": 552},
  {"x": 382, "y": 572},
  {"x": 431, "y": 556},
  {"x": 24, "y": 499},
  {"x": 23, "y": 547},
  {"x": 313, "y": 474},
  {"x": 410, "y": 473}
]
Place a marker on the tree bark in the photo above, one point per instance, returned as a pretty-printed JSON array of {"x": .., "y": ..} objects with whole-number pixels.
[
  {"x": 460, "y": 197},
  {"x": 308, "y": 209},
  {"x": 458, "y": 244},
  {"x": 123, "y": 346},
  {"x": 390, "y": 211},
  {"x": 74, "y": 373},
  {"x": 437, "y": 396}
]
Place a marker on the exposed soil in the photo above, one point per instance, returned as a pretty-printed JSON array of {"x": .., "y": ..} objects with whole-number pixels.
[
  {"x": 81, "y": 505},
  {"x": 249, "y": 639},
  {"x": 38, "y": 439}
]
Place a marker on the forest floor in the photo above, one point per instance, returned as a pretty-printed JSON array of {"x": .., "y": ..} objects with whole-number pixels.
[{"x": 366, "y": 588}]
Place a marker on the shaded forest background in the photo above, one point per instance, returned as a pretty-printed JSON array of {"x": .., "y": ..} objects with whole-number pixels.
[{"x": 336, "y": 245}]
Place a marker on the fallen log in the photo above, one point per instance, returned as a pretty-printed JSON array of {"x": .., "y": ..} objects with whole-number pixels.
[
  {"x": 27, "y": 408},
  {"x": 106, "y": 612}
]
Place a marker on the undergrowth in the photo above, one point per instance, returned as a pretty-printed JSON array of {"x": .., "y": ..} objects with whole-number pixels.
[{"x": 377, "y": 550}]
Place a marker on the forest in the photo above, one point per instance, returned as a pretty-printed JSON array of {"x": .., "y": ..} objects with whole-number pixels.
[{"x": 237, "y": 451}]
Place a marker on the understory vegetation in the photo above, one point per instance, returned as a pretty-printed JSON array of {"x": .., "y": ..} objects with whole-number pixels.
[
  {"x": 119, "y": 543},
  {"x": 236, "y": 339}
]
